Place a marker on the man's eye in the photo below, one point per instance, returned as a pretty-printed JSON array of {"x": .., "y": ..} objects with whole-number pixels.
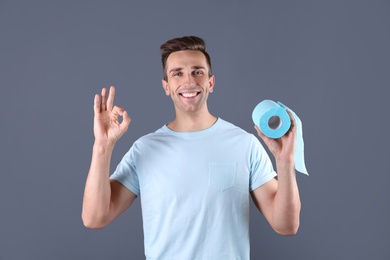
[
  {"x": 176, "y": 74},
  {"x": 198, "y": 72}
]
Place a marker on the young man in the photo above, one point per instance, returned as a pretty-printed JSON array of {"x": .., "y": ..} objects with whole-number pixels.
[{"x": 195, "y": 174}]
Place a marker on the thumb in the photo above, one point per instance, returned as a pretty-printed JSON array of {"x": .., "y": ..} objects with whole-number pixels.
[
  {"x": 268, "y": 141},
  {"x": 125, "y": 119},
  {"x": 260, "y": 133}
]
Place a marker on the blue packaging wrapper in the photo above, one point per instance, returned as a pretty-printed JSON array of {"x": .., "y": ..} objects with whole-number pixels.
[{"x": 273, "y": 120}]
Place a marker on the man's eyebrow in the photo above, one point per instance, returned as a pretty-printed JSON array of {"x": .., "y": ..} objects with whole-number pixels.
[
  {"x": 175, "y": 69},
  {"x": 193, "y": 67},
  {"x": 198, "y": 67}
]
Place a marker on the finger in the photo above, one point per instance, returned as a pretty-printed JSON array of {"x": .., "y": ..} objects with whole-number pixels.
[
  {"x": 104, "y": 99},
  {"x": 261, "y": 134},
  {"x": 116, "y": 112},
  {"x": 267, "y": 140},
  {"x": 110, "y": 100},
  {"x": 96, "y": 104},
  {"x": 126, "y": 120}
]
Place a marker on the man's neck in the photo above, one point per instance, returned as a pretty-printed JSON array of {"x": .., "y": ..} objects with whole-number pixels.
[{"x": 192, "y": 122}]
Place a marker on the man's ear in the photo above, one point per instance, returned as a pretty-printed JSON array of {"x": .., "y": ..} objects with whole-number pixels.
[
  {"x": 212, "y": 83},
  {"x": 165, "y": 87}
]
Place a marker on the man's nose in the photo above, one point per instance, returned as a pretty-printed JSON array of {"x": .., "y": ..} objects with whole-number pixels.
[{"x": 190, "y": 80}]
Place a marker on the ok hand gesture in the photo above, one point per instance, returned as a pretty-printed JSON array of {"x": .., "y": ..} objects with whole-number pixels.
[{"x": 107, "y": 128}]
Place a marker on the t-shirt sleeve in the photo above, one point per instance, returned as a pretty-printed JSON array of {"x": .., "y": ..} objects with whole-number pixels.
[
  {"x": 126, "y": 172},
  {"x": 262, "y": 170}
]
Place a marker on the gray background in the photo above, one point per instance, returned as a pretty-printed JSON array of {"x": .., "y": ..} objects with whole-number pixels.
[{"x": 327, "y": 60}]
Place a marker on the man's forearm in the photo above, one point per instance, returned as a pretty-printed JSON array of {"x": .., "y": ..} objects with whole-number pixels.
[
  {"x": 97, "y": 193},
  {"x": 287, "y": 203}
]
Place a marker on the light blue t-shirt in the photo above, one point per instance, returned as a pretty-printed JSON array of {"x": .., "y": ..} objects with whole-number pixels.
[{"x": 194, "y": 189}]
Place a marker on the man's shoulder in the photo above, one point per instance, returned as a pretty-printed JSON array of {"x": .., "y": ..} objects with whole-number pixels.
[
  {"x": 234, "y": 129},
  {"x": 152, "y": 136}
]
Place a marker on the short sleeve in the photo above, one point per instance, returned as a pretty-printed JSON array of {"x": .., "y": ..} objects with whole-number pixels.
[
  {"x": 126, "y": 172},
  {"x": 262, "y": 170}
]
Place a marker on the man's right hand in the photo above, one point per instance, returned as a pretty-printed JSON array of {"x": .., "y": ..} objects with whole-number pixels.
[{"x": 107, "y": 128}]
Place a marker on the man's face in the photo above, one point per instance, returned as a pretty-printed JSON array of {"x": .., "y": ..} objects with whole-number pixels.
[{"x": 188, "y": 82}]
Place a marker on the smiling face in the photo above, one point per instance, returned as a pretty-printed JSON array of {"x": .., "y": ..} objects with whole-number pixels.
[{"x": 188, "y": 81}]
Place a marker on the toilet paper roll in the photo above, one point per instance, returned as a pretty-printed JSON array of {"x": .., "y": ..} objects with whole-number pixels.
[{"x": 273, "y": 120}]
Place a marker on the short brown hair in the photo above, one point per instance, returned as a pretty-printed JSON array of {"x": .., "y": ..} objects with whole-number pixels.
[{"x": 192, "y": 43}]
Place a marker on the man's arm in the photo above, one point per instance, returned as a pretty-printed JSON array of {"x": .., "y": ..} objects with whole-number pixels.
[
  {"x": 279, "y": 200},
  {"x": 105, "y": 199}
]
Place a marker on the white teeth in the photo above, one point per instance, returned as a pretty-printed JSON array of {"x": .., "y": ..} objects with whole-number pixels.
[{"x": 193, "y": 94}]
